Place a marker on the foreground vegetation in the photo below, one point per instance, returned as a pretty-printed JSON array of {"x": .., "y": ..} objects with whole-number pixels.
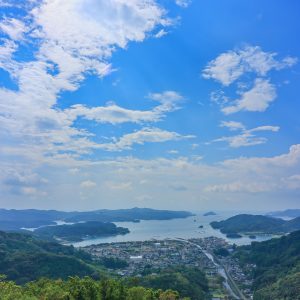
[
  {"x": 76, "y": 288},
  {"x": 189, "y": 282}
]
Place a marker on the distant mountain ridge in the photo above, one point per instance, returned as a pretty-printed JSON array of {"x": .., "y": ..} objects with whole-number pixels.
[
  {"x": 290, "y": 213},
  {"x": 245, "y": 223},
  {"x": 32, "y": 218}
]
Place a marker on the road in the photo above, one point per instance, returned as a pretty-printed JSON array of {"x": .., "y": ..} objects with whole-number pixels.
[{"x": 229, "y": 283}]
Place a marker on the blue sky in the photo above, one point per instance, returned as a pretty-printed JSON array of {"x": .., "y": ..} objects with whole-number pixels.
[{"x": 165, "y": 104}]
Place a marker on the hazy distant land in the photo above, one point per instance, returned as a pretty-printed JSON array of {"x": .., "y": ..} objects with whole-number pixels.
[{"x": 79, "y": 225}]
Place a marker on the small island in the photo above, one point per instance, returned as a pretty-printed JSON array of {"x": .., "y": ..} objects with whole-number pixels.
[
  {"x": 80, "y": 231},
  {"x": 210, "y": 213},
  {"x": 233, "y": 235}
]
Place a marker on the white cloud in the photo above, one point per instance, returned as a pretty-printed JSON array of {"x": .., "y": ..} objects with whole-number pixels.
[
  {"x": 240, "y": 187},
  {"x": 183, "y": 3},
  {"x": 258, "y": 98},
  {"x": 69, "y": 39},
  {"x": 169, "y": 100},
  {"x": 242, "y": 140},
  {"x": 291, "y": 182},
  {"x": 232, "y": 125},
  {"x": 160, "y": 33},
  {"x": 260, "y": 174},
  {"x": 145, "y": 135},
  {"x": 231, "y": 65},
  {"x": 241, "y": 182},
  {"x": 246, "y": 137},
  {"x": 173, "y": 152},
  {"x": 265, "y": 128},
  {"x": 74, "y": 170},
  {"x": 118, "y": 185},
  {"x": 114, "y": 114},
  {"x": 88, "y": 184},
  {"x": 14, "y": 28}
]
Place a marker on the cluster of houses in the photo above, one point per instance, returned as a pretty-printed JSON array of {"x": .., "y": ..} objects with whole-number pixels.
[{"x": 154, "y": 255}]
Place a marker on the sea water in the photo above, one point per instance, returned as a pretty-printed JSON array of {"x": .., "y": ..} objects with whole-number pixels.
[{"x": 175, "y": 228}]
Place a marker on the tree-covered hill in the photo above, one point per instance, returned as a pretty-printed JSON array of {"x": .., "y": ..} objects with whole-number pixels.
[
  {"x": 277, "y": 270},
  {"x": 245, "y": 223},
  {"x": 189, "y": 282},
  {"x": 24, "y": 258}
]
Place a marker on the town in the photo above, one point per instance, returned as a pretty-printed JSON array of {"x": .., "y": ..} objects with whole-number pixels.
[{"x": 137, "y": 258}]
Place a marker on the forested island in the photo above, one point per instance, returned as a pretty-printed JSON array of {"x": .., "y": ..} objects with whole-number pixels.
[
  {"x": 209, "y": 213},
  {"x": 251, "y": 224},
  {"x": 80, "y": 231}
]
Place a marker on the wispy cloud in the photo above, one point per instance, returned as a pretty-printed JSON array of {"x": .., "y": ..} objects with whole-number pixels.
[
  {"x": 114, "y": 114},
  {"x": 88, "y": 184},
  {"x": 145, "y": 135},
  {"x": 246, "y": 137},
  {"x": 183, "y": 3}
]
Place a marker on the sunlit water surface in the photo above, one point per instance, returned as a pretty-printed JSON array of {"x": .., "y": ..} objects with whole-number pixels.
[{"x": 176, "y": 228}]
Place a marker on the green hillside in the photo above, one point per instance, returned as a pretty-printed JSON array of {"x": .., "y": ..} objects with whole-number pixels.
[
  {"x": 277, "y": 270},
  {"x": 24, "y": 258}
]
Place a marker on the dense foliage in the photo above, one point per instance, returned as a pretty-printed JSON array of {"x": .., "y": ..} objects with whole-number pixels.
[
  {"x": 189, "y": 282},
  {"x": 79, "y": 231},
  {"x": 256, "y": 223},
  {"x": 24, "y": 258},
  {"x": 287, "y": 288},
  {"x": 80, "y": 289},
  {"x": 277, "y": 270},
  {"x": 113, "y": 263},
  {"x": 221, "y": 252}
]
